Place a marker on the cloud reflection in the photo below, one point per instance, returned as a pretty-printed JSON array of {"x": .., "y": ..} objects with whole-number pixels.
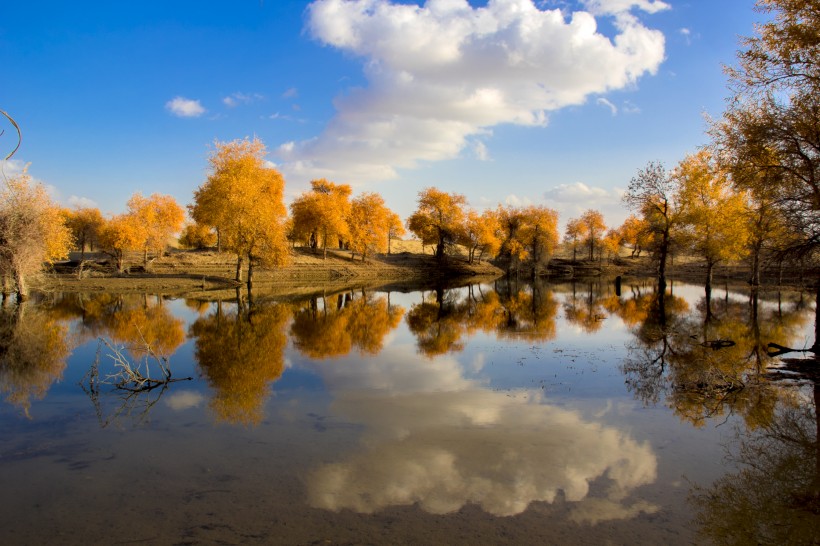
[{"x": 499, "y": 450}]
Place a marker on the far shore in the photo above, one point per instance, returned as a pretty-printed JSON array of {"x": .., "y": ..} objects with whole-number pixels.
[{"x": 408, "y": 265}]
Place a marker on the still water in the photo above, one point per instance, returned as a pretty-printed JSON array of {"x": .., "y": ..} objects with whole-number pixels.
[{"x": 483, "y": 414}]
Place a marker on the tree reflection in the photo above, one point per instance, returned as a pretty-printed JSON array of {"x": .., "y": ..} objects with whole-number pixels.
[
  {"x": 775, "y": 496},
  {"x": 510, "y": 310},
  {"x": 240, "y": 352},
  {"x": 438, "y": 322},
  {"x": 331, "y": 326},
  {"x": 33, "y": 352},
  {"x": 138, "y": 322},
  {"x": 585, "y": 307},
  {"x": 708, "y": 361}
]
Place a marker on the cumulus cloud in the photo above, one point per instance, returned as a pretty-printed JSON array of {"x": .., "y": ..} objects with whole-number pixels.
[
  {"x": 443, "y": 450},
  {"x": 441, "y": 73},
  {"x": 184, "y": 108}
]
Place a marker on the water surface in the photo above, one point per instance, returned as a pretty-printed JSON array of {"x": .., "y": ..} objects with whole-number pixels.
[{"x": 485, "y": 414}]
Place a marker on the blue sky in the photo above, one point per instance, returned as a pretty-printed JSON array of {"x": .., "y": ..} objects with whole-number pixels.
[{"x": 506, "y": 101}]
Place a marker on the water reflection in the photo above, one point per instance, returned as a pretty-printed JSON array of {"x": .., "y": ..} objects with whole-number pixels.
[
  {"x": 33, "y": 350},
  {"x": 709, "y": 361},
  {"x": 240, "y": 351},
  {"x": 775, "y": 496},
  {"x": 331, "y": 326},
  {"x": 509, "y": 309}
]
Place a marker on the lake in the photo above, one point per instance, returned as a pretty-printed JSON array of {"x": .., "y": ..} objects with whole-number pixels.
[{"x": 492, "y": 413}]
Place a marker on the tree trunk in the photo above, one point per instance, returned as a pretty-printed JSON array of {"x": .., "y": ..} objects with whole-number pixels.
[
  {"x": 238, "y": 268},
  {"x": 22, "y": 287},
  {"x": 250, "y": 272},
  {"x": 145, "y": 257}
]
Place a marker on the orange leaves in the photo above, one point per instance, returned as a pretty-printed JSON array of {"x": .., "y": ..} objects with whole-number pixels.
[
  {"x": 320, "y": 216},
  {"x": 439, "y": 219},
  {"x": 159, "y": 217},
  {"x": 369, "y": 224},
  {"x": 243, "y": 199}
]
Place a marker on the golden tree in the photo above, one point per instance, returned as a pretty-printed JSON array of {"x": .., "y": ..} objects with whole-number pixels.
[
  {"x": 594, "y": 229},
  {"x": 539, "y": 234},
  {"x": 481, "y": 234},
  {"x": 368, "y": 225},
  {"x": 321, "y": 214},
  {"x": 652, "y": 193},
  {"x": 634, "y": 232},
  {"x": 711, "y": 211},
  {"x": 574, "y": 235},
  {"x": 159, "y": 217},
  {"x": 32, "y": 231},
  {"x": 85, "y": 225},
  {"x": 119, "y": 235},
  {"x": 199, "y": 236},
  {"x": 439, "y": 219},
  {"x": 242, "y": 200}
]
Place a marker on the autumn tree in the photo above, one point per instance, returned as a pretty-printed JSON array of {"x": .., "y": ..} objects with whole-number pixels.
[
  {"x": 481, "y": 235},
  {"x": 593, "y": 222},
  {"x": 711, "y": 212},
  {"x": 159, "y": 217},
  {"x": 197, "y": 236},
  {"x": 771, "y": 128},
  {"x": 32, "y": 232},
  {"x": 611, "y": 243},
  {"x": 243, "y": 200},
  {"x": 540, "y": 234},
  {"x": 652, "y": 193},
  {"x": 368, "y": 225},
  {"x": 439, "y": 219},
  {"x": 395, "y": 231},
  {"x": 574, "y": 234},
  {"x": 85, "y": 225},
  {"x": 320, "y": 215},
  {"x": 512, "y": 226},
  {"x": 120, "y": 235},
  {"x": 635, "y": 233}
]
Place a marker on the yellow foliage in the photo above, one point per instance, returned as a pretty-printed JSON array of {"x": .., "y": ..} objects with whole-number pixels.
[
  {"x": 240, "y": 354},
  {"x": 243, "y": 199}
]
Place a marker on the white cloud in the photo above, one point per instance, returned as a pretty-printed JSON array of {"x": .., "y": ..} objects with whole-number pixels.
[
  {"x": 235, "y": 99},
  {"x": 577, "y": 192},
  {"x": 513, "y": 200},
  {"x": 604, "y": 102},
  {"x": 616, "y": 7},
  {"x": 630, "y": 108},
  {"x": 184, "y": 108},
  {"x": 481, "y": 151},
  {"x": 573, "y": 199},
  {"x": 441, "y": 73},
  {"x": 81, "y": 202},
  {"x": 291, "y": 93},
  {"x": 498, "y": 450}
]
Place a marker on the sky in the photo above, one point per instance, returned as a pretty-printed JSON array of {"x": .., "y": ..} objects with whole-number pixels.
[{"x": 514, "y": 102}]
